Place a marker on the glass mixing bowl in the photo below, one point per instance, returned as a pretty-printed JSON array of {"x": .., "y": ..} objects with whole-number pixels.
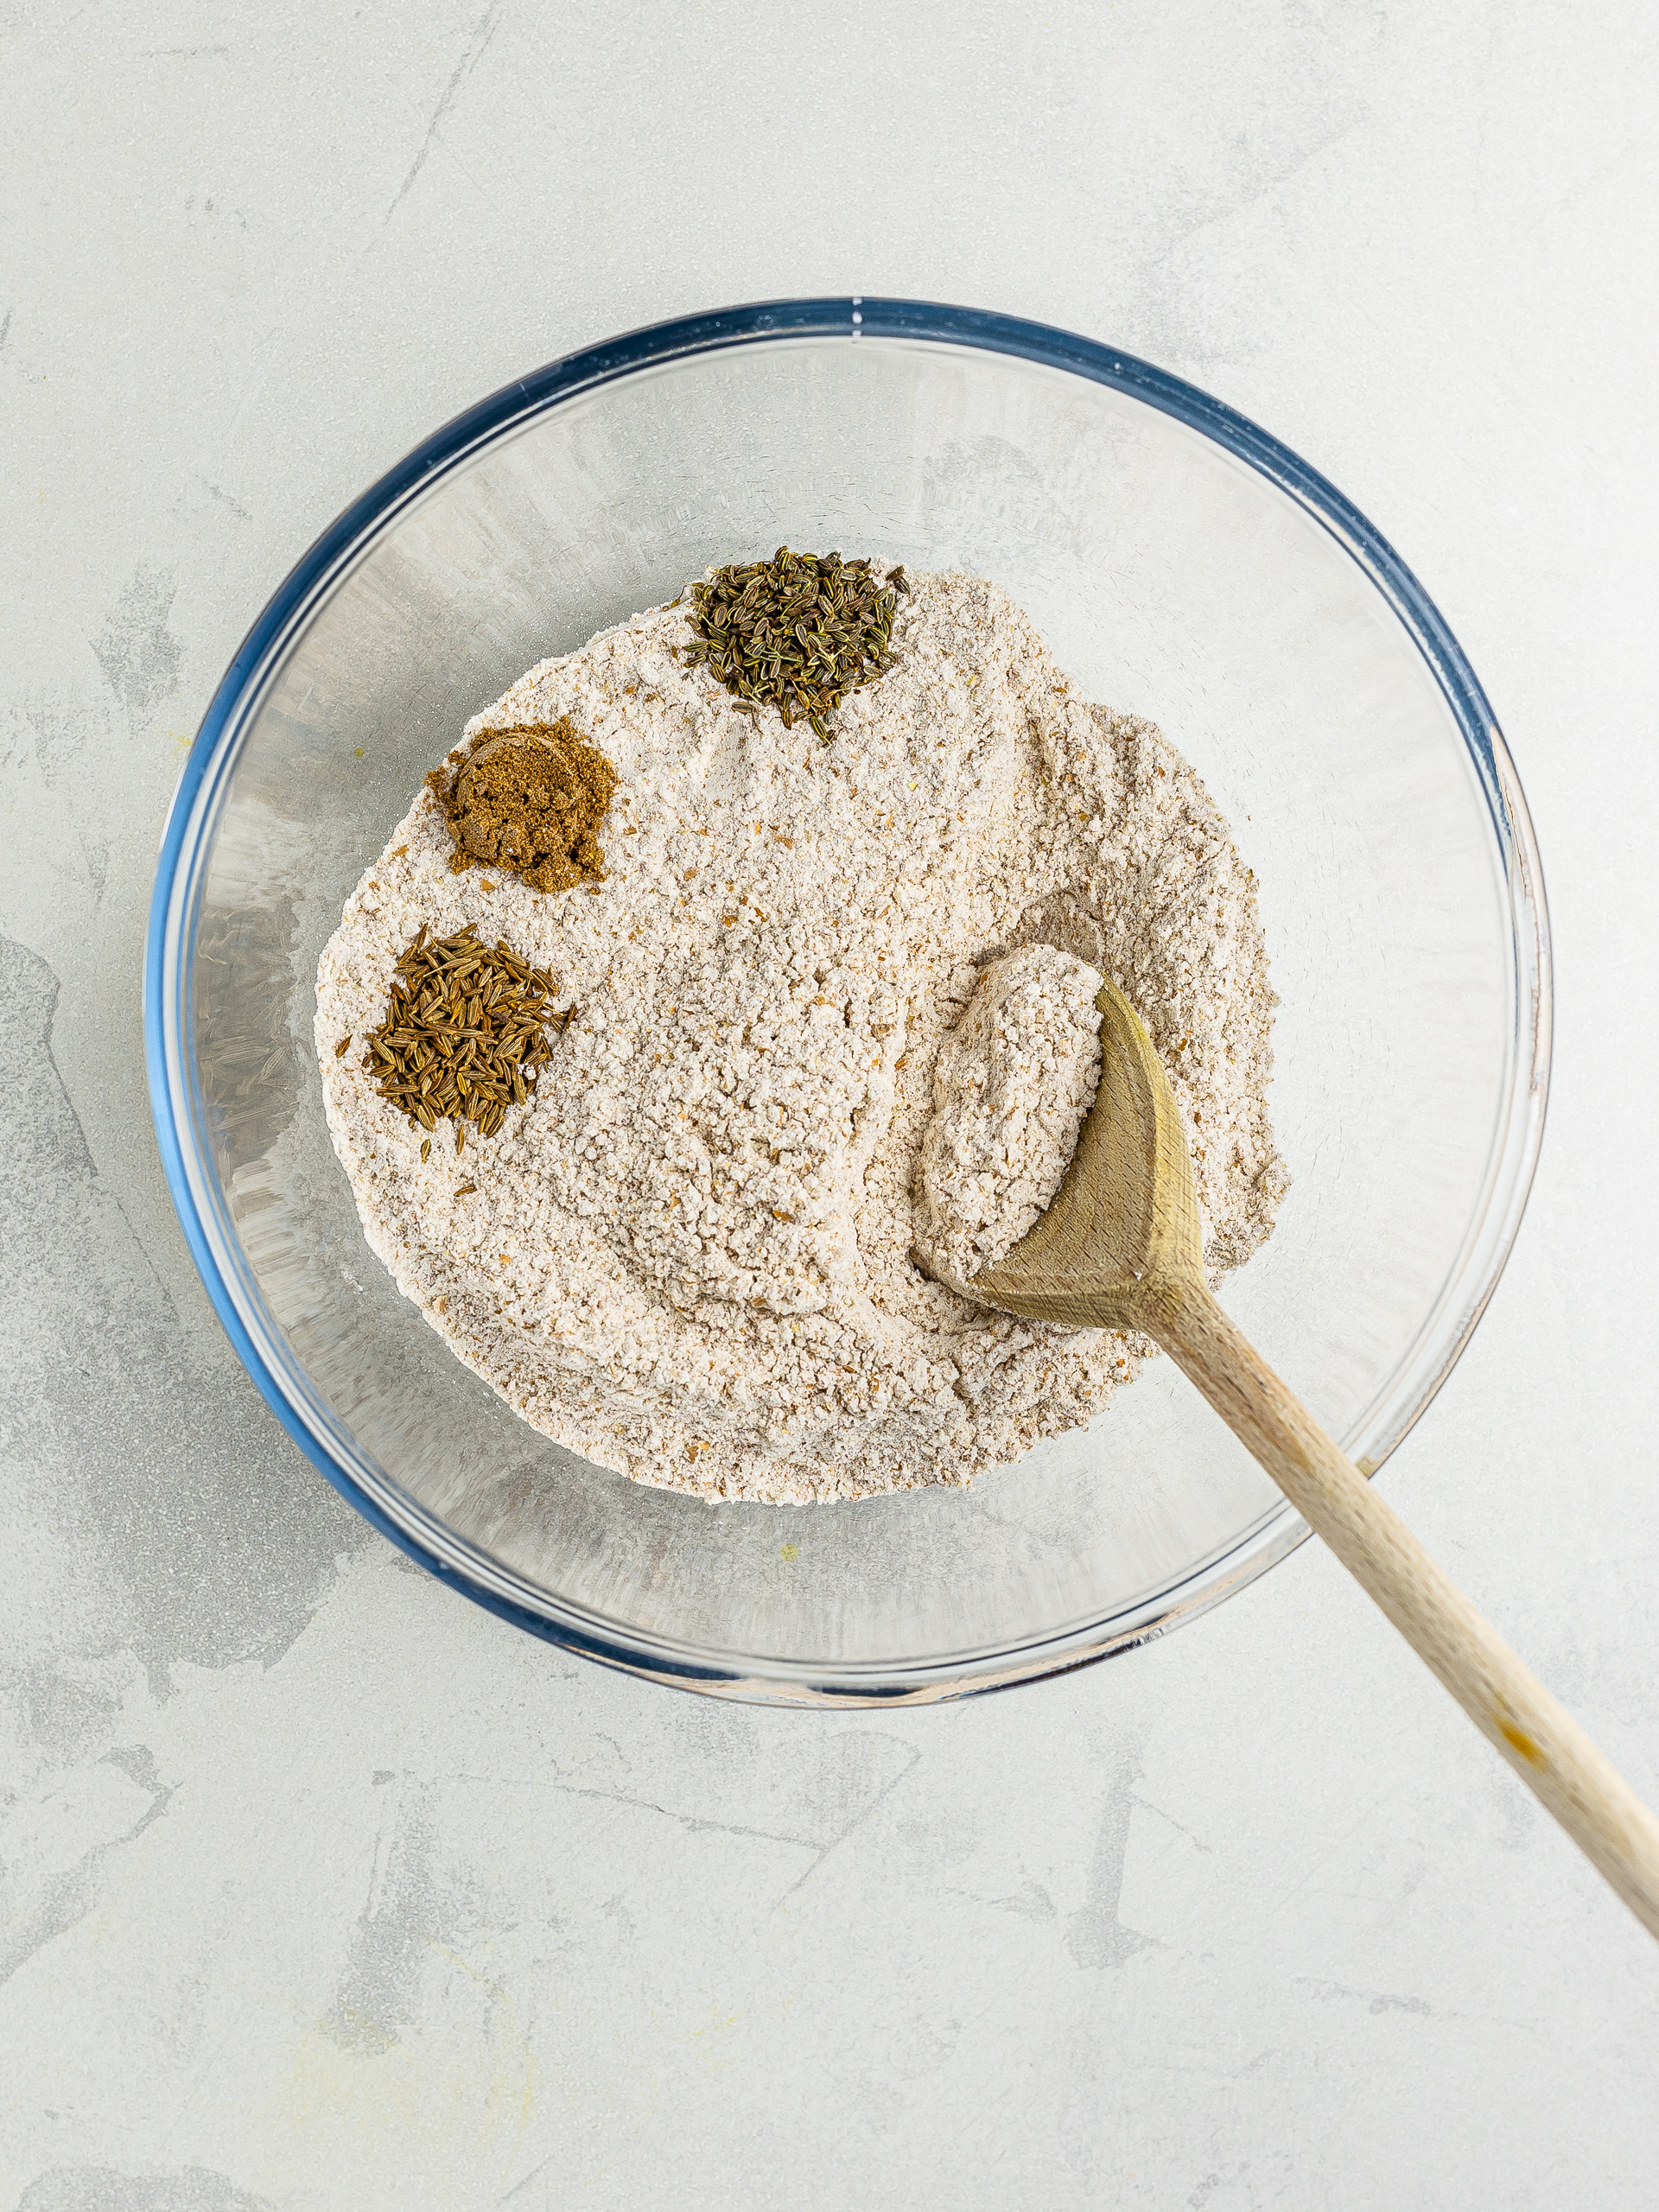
[{"x": 1182, "y": 565}]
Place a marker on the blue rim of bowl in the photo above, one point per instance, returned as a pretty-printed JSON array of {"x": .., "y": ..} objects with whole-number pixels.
[{"x": 178, "y": 883}]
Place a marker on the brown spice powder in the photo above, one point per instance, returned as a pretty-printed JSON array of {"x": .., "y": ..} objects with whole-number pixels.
[{"x": 529, "y": 799}]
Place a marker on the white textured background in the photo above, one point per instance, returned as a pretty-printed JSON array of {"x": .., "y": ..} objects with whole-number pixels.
[{"x": 323, "y": 1889}]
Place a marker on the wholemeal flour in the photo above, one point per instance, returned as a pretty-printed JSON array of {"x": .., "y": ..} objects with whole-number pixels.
[
  {"x": 1011, "y": 1085},
  {"x": 693, "y": 1255}
]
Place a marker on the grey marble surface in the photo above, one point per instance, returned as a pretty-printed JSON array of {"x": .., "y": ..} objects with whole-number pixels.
[{"x": 323, "y": 1889}]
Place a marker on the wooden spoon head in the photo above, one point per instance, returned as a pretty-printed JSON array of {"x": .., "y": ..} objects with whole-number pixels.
[{"x": 1121, "y": 1232}]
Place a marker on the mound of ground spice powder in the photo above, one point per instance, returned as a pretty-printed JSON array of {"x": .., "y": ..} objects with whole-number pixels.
[{"x": 529, "y": 799}]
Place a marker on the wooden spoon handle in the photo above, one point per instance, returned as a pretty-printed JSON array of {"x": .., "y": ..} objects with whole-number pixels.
[{"x": 1544, "y": 1745}]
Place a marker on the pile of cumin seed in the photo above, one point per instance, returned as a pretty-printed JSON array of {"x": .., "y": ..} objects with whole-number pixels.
[{"x": 464, "y": 1033}]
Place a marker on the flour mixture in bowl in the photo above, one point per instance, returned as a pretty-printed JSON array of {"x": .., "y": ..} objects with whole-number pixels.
[{"x": 692, "y": 1238}]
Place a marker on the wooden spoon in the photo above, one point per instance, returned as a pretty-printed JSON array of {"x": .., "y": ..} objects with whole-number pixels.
[{"x": 1119, "y": 1248}]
